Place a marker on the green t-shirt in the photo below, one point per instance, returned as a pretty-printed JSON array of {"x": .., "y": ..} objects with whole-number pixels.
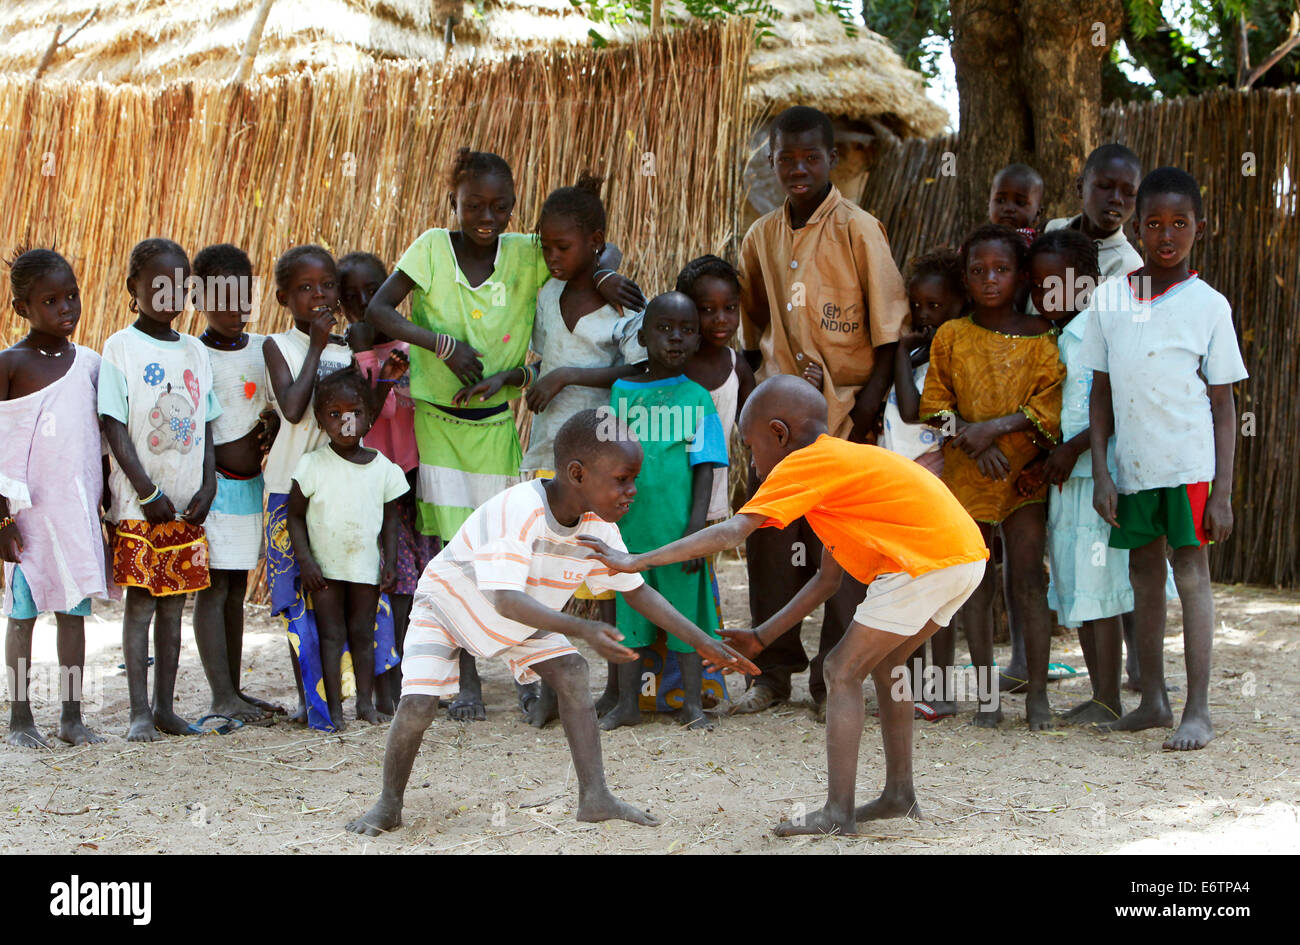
[{"x": 496, "y": 318}]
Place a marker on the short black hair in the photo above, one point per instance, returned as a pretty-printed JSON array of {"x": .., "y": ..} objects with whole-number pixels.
[
  {"x": 585, "y": 435},
  {"x": 146, "y": 250},
  {"x": 469, "y": 164},
  {"x": 1073, "y": 245},
  {"x": 581, "y": 203},
  {"x": 29, "y": 265},
  {"x": 702, "y": 266},
  {"x": 356, "y": 260},
  {"x": 292, "y": 256},
  {"x": 221, "y": 259},
  {"x": 1023, "y": 172},
  {"x": 1171, "y": 180},
  {"x": 797, "y": 120},
  {"x": 349, "y": 382},
  {"x": 1114, "y": 151},
  {"x": 944, "y": 264},
  {"x": 994, "y": 233}
]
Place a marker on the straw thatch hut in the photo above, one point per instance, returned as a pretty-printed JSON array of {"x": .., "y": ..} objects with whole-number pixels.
[{"x": 808, "y": 59}]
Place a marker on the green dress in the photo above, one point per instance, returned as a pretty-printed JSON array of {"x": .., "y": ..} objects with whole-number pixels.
[
  {"x": 467, "y": 459},
  {"x": 678, "y": 428}
]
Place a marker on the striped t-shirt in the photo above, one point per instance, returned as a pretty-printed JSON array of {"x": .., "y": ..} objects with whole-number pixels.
[{"x": 512, "y": 542}]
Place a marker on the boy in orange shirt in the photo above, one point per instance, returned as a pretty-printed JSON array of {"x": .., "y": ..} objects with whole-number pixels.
[{"x": 891, "y": 525}]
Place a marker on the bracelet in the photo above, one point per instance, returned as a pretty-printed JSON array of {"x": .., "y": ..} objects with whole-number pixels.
[
  {"x": 608, "y": 273},
  {"x": 531, "y": 373},
  {"x": 446, "y": 345},
  {"x": 6, "y": 522},
  {"x": 153, "y": 496}
]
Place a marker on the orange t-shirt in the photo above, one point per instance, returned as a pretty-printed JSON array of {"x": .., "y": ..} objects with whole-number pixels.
[{"x": 875, "y": 511}]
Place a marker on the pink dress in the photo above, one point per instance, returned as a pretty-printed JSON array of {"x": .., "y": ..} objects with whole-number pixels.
[{"x": 393, "y": 432}]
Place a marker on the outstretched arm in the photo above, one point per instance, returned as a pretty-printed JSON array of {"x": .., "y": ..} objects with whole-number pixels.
[
  {"x": 708, "y": 541},
  {"x": 819, "y": 589},
  {"x": 519, "y": 607},
  {"x": 652, "y": 605}
]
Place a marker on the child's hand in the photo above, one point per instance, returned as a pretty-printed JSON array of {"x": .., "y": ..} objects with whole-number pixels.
[
  {"x": 718, "y": 655},
  {"x": 310, "y": 574},
  {"x": 160, "y": 510},
  {"x": 993, "y": 464},
  {"x": 321, "y": 326},
  {"x": 488, "y": 387},
  {"x": 11, "y": 543},
  {"x": 388, "y": 577},
  {"x": 270, "y": 426},
  {"x": 395, "y": 365},
  {"x": 544, "y": 390},
  {"x": 744, "y": 641},
  {"x": 620, "y": 562},
  {"x": 812, "y": 373},
  {"x": 360, "y": 335},
  {"x": 1217, "y": 519},
  {"x": 975, "y": 438},
  {"x": 1032, "y": 476},
  {"x": 464, "y": 363},
  {"x": 911, "y": 339},
  {"x": 692, "y": 566},
  {"x": 1106, "y": 500},
  {"x": 1060, "y": 463},
  {"x": 604, "y": 640},
  {"x": 622, "y": 291},
  {"x": 200, "y": 505}
]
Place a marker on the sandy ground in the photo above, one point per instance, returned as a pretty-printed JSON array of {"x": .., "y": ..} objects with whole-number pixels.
[{"x": 501, "y": 786}]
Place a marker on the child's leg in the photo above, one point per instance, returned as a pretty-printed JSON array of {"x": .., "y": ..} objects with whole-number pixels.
[
  {"x": 388, "y": 686},
  {"x": 1147, "y": 572},
  {"x": 1015, "y": 677},
  {"x": 977, "y": 622},
  {"x": 332, "y": 630},
  {"x": 137, "y": 614},
  {"x": 299, "y": 714},
  {"x": 414, "y": 714},
  {"x": 691, "y": 714},
  {"x": 567, "y": 675},
  {"x": 538, "y": 702},
  {"x": 1192, "y": 576},
  {"x": 72, "y": 668},
  {"x": 943, "y": 653},
  {"x": 212, "y": 637},
  {"x": 847, "y": 666},
  {"x": 468, "y": 704},
  {"x": 1131, "y": 668},
  {"x": 167, "y": 658},
  {"x": 362, "y": 604},
  {"x": 1025, "y": 543},
  {"x": 627, "y": 711},
  {"x": 608, "y": 699},
  {"x": 23, "y": 732},
  {"x": 1100, "y": 642}
]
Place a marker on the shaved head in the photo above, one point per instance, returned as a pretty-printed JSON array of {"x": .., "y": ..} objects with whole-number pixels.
[{"x": 787, "y": 398}]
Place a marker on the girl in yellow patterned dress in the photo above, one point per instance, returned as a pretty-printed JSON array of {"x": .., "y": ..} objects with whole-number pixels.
[{"x": 994, "y": 389}]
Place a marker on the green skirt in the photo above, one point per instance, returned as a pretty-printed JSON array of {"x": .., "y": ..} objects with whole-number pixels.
[{"x": 463, "y": 463}]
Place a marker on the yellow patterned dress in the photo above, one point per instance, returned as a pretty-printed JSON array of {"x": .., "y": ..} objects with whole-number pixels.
[{"x": 981, "y": 374}]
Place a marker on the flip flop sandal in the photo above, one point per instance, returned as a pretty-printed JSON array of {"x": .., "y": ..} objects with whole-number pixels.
[
  {"x": 923, "y": 710},
  {"x": 202, "y": 728},
  {"x": 148, "y": 662},
  {"x": 1057, "y": 671}
]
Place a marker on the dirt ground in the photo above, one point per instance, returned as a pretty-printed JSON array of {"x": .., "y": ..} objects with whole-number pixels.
[{"x": 501, "y": 786}]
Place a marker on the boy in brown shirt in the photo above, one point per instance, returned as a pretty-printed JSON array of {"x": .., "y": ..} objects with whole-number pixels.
[{"x": 821, "y": 298}]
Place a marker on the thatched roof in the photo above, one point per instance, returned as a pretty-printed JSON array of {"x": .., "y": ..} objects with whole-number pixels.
[{"x": 808, "y": 61}]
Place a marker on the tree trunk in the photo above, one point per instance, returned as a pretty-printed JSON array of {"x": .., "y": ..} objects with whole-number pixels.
[{"x": 1029, "y": 81}]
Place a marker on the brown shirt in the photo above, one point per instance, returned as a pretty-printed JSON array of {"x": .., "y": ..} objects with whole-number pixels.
[{"x": 832, "y": 294}]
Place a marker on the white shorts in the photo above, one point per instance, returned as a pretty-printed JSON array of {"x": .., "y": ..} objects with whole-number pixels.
[
  {"x": 902, "y": 604},
  {"x": 431, "y": 657}
]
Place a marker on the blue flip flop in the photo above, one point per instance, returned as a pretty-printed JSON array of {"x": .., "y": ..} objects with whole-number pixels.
[
  {"x": 230, "y": 725},
  {"x": 1057, "y": 671}
]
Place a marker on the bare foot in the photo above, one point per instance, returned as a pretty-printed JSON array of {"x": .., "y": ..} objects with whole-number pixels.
[
  {"x": 606, "y": 702},
  {"x": 693, "y": 718},
  {"x": 619, "y": 716},
  {"x": 985, "y": 719},
  {"x": 1143, "y": 717},
  {"x": 263, "y": 704},
  {"x": 1038, "y": 712},
  {"x": 1194, "y": 732},
  {"x": 1013, "y": 679},
  {"x": 26, "y": 735},
  {"x": 299, "y": 716},
  {"x": 543, "y": 709},
  {"x": 467, "y": 707},
  {"x": 142, "y": 729},
  {"x": 382, "y": 817},
  {"x": 818, "y": 822},
  {"x": 236, "y": 708},
  {"x": 1092, "y": 712},
  {"x": 609, "y": 807},
  {"x": 886, "y": 808},
  {"x": 372, "y": 715},
  {"x": 74, "y": 732},
  {"x": 171, "y": 723}
]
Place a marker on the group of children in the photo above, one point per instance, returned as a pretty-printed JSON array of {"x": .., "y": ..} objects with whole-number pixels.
[{"x": 406, "y": 532}]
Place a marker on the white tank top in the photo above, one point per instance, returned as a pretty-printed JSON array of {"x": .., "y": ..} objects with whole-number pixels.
[
  {"x": 725, "y": 399},
  {"x": 296, "y": 440}
]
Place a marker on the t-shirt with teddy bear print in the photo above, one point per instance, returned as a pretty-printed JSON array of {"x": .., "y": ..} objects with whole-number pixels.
[{"x": 162, "y": 392}]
